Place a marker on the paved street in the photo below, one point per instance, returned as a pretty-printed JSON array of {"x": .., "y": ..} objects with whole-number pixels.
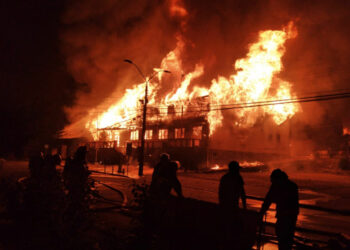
[
  {"x": 323, "y": 189},
  {"x": 204, "y": 186}
]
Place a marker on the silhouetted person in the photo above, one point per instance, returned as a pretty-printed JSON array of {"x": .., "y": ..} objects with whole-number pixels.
[
  {"x": 231, "y": 189},
  {"x": 284, "y": 193},
  {"x": 164, "y": 178},
  {"x": 42, "y": 200},
  {"x": 160, "y": 202},
  {"x": 76, "y": 179}
]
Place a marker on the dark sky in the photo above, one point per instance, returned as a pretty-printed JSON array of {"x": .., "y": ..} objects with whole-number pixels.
[{"x": 34, "y": 81}]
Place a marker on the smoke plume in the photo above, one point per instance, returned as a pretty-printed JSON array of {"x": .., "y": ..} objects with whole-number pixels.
[{"x": 98, "y": 35}]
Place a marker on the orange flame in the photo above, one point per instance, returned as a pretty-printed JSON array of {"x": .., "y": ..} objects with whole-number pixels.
[{"x": 252, "y": 82}]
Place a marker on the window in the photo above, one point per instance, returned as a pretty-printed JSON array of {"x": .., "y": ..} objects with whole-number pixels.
[
  {"x": 149, "y": 134},
  {"x": 163, "y": 134},
  {"x": 134, "y": 135},
  {"x": 197, "y": 132},
  {"x": 179, "y": 133},
  {"x": 116, "y": 138}
]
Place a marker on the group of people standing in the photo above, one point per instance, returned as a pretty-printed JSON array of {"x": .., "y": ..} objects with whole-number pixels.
[{"x": 283, "y": 192}]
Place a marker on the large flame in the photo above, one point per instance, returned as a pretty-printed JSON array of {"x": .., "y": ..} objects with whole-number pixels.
[{"x": 254, "y": 80}]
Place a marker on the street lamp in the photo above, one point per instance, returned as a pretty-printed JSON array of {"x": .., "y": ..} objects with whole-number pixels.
[{"x": 146, "y": 79}]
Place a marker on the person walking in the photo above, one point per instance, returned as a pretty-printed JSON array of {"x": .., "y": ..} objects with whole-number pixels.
[{"x": 284, "y": 193}]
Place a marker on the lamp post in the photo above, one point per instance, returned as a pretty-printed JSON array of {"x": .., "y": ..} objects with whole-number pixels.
[{"x": 144, "y": 115}]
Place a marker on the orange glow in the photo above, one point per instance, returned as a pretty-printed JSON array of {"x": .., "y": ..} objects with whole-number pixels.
[
  {"x": 216, "y": 167},
  {"x": 254, "y": 79},
  {"x": 252, "y": 82},
  {"x": 346, "y": 131},
  {"x": 177, "y": 8}
]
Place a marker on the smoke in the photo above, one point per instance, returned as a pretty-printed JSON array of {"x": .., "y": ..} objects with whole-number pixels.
[
  {"x": 317, "y": 60},
  {"x": 98, "y": 35}
]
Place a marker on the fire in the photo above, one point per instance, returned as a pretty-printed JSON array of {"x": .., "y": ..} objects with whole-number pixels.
[
  {"x": 122, "y": 110},
  {"x": 253, "y": 80},
  {"x": 182, "y": 91},
  {"x": 251, "y": 164},
  {"x": 216, "y": 167}
]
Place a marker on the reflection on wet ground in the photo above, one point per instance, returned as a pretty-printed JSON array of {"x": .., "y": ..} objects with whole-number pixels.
[
  {"x": 204, "y": 186},
  {"x": 310, "y": 219}
]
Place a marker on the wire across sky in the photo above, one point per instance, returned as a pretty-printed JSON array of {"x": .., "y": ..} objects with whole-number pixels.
[{"x": 221, "y": 107}]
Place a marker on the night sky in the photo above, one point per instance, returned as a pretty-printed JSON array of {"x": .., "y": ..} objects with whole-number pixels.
[{"x": 34, "y": 81}]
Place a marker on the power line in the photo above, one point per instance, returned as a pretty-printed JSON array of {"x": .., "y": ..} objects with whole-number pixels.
[
  {"x": 222, "y": 107},
  {"x": 316, "y": 94},
  {"x": 270, "y": 102}
]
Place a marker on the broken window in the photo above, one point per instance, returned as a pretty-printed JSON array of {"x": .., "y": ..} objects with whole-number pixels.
[
  {"x": 116, "y": 138},
  {"x": 163, "y": 134},
  {"x": 179, "y": 133},
  {"x": 149, "y": 134},
  {"x": 134, "y": 135},
  {"x": 197, "y": 132}
]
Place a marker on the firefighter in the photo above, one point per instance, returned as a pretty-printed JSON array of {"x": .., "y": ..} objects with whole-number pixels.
[
  {"x": 164, "y": 178},
  {"x": 231, "y": 188},
  {"x": 284, "y": 193}
]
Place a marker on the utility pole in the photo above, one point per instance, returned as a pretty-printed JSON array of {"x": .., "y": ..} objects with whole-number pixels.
[
  {"x": 143, "y": 131},
  {"x": 144, "y": 115}
]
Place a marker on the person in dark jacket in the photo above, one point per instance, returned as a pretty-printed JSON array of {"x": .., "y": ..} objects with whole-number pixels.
[
  {"x": 284, "y": 193},
  {"x": 78, "y": 182},
  {"x": 231, "y": 188},
  {"x": 164, "y": 178}
]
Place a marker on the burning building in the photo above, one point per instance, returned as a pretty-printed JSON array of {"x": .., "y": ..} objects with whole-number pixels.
[
  {"x": 202, "y": 119},
  {"x": 250, "y": 112}
]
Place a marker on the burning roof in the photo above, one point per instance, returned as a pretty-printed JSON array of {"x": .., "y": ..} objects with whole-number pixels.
[{"x": 254, "y": 79}]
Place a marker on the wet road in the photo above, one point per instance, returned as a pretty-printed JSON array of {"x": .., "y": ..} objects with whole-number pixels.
[
  {"x": 333, "y": 191},
  {"x": 206, "y": 189},
  {"x": 205, "y": 186}
]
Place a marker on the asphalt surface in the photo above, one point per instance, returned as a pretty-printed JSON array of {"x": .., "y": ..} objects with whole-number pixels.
[
  {"x": 330, "y": 190},
  {"x": 204, "y": 186}
]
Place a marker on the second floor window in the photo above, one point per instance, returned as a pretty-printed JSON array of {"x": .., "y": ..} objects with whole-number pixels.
[
  {"x": 134, "y": 135},
  {"x": 163, "y": 134},
  {"x": 197, "y": 132},
  {"x": 149, "y": 134},
  {"x": 179, "y": 133}
]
